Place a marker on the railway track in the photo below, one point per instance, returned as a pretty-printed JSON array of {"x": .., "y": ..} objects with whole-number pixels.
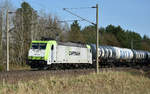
[{"x": 26, "y": 75}]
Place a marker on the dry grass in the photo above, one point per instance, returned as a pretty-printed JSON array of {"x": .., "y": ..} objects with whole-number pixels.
[
  {"x": 103, "y": 83},
  {"x": 19, "y": 67}
]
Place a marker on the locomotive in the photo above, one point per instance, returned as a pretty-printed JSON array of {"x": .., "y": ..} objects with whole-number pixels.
[{"x": 48, "y": 52}]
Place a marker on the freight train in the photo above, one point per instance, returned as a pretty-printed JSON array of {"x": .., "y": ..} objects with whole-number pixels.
[{"x": 49, "y": 52}]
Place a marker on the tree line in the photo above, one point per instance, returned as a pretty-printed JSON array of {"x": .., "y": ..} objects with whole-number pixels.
[
  {"x": 110, "y": 35},
  {"x": 27, "y": 25}
]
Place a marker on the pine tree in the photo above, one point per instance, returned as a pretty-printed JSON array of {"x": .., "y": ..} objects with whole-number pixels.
[{"x": 75, "y": 34}]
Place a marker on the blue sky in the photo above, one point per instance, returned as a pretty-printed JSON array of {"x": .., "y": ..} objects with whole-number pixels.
[{"x": 129, "y": 14}]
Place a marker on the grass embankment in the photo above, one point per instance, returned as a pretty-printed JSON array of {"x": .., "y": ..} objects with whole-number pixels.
[{"x": 102, "y": 83}]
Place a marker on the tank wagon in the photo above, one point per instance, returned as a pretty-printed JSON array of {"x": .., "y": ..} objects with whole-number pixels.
[{"x": 45, "y": 53}]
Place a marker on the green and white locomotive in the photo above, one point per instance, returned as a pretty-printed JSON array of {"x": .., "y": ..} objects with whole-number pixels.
[{"x": 45, "y": 53}]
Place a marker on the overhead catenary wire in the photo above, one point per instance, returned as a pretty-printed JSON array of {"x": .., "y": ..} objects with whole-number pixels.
[
  {"x": 81, "y": 8},
  {"x": 78, "y": 16},
  {"x": 61, "y": 21}
]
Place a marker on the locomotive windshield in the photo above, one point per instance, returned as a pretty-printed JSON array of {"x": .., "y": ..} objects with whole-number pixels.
[
  {"x": 42, "y": 45},
  {"x": 38, "y": 46},
  {"x": 35, "y": 45}
]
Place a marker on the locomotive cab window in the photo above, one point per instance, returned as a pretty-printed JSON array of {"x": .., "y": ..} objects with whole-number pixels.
[
  {"x": 34, "y": 46},
  {"x": 42, "y": 45},
  {"x": 38, "y": 46}
]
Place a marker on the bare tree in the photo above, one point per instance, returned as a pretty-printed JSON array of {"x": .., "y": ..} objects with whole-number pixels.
[{"x": 4, "y": 5}]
